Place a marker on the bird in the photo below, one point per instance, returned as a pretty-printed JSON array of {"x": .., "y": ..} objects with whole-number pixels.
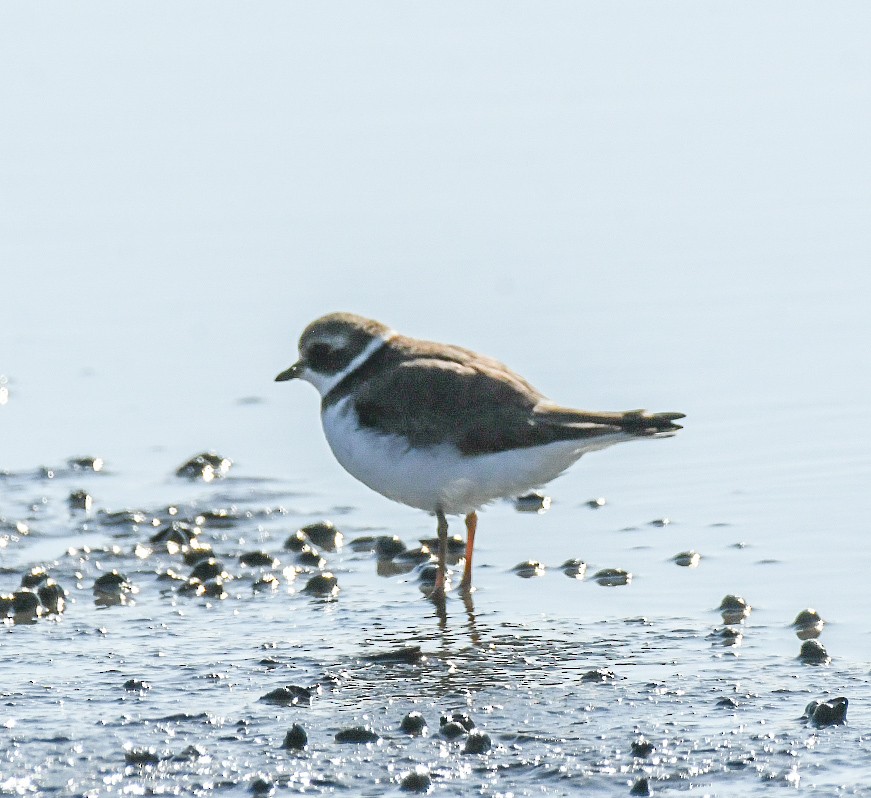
[{"x": 442, "y": 428}]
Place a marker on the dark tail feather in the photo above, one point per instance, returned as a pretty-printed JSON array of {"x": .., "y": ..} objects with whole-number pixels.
[{"x": 650, "y": 425}]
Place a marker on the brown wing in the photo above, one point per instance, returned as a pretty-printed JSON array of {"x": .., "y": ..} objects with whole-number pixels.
[{"x": 477, "y": 405}]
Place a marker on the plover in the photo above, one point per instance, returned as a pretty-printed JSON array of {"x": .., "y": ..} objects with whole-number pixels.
[{"x": 442, "y": 428}]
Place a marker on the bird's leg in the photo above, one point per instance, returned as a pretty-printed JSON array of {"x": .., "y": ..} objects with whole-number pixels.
[
  {"x": 441, "y": 577},
  {"x": 471, "y": 526}
]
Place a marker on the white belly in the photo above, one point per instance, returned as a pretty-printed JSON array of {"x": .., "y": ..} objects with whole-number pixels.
[{"x": 440, "y": 477}]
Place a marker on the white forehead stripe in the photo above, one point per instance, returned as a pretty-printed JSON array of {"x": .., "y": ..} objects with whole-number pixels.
[{"x": 326, "y": 382}]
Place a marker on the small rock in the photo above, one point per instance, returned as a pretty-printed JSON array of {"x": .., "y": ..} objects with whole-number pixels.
[
  {"x": 296, "y": 739},
  {"x": 325, "y": 585},
  {"x": 595, "y": 504},
  {"x": 141, "y": 756},
  {"x": 296, "y": 541},
  {"x": 599, "y": 675},
  {"x": 408, "y": 655},
  {"x": 358, "y": 735},
  {"x": 529, "y": 569},
  {"x": 827, "y": 713},
  {"x": 452, "y": 730},
  {"x": 613, "y": 577},
  {"x": 94, "y": 464},
  {"x": 207, "y": 466},
  {"x": 388, "y": 546},
  {"x": 25, "y": 602},
  {"x": 727, "y": 702},
  {"x": 642, "y": 748},
  {"x": 477, "y": 743},
  {"x": 258, "y": 559},
  {"x": 208, "y": 569},
  {"x": 80, "y": 500},
  {"x": 178, "y": 532},
  {"x": 261, "y": 786},
  {"x": 419, "y": 780},
  {"x": 574, "y": 569},
  {"x": 290, "y": 695},
  {"x": 534, "y": 502},
  {"x": 34, "y": 577},
  {"x": 659, "y": 522},
  {"x": 687, "y": 559},
  {"x": 734, "y": 609},
  {"x": 456, "y": 545},
  {"x": 813, "y": 653},
  {"x": 727, "y": 636},
  {"x": 324, "y": 534},
  {"x": 414, "y": 724},
  {"x": 462, "y": 718},
  {"x": 309, "y": 557},
  {"x": 808, "y": 625},
  {"x": 641, "y": 787},
  {"x": 136, "y": 685}
]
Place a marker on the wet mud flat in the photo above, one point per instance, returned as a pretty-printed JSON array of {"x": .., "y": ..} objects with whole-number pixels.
[{"x": 205, "y": 646}]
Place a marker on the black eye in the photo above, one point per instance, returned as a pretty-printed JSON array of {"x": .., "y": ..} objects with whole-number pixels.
[{"x": 319, "y": 357}]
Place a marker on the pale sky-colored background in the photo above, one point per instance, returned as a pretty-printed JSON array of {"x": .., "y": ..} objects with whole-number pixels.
[{"x": 633, "y": 204}]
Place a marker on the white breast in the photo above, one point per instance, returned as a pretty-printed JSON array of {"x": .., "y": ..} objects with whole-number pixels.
[{"x": 440, "y": 476}]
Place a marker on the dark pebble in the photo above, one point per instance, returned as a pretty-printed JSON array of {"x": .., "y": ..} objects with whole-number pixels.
[
  {"x": 529, "y": 569},
  {"x": 195, "y": 551},
  {"x": 612, "y": 577},
  {"x": 827, "y": 713},
  {"x": 310, "y": 557},
  {"x": 659, "y": 522},
  {"x": 452, "y": 730},
  {"x": 136, "y": 685},
  {"x": 24, "y": 602},
  {"x": 357, "y": 734},
  {"x": 266, "y": 582},
  {"x": 6, "y": 602},
  {"x": 94, "y": 464},
  {"x": 324, "y": 584},
  {"x": 727, "y": 703},
  {"x": 734, "y": 609},
  {"x": 212, "y": 588},
  {"x": 641, "y": 787},
  {"x": 206, "y": 466},
  {"x": 418, "y": 781},
  {"x": 296, "y": 541},
  {"x": 416, "y": 556},
  {"x": 462, "y": 718},
  {"x": 208, "y": 569},
  {"x": 179, "y": 532},
  {"x": 599, "y": 675},
  {"x": 261, "y": 786},
  {"x": 388, "y": 546},
  {"x": 363, "y": 543},
  {"x": 427, "y": 573},
  {"x": 141, "y": 756},
  {"x": 534, "y": 502},
  {"x": 218, "y": 519},
  {"x": 296, "y": 739},
  {"x": 808, "y": 625},
  {"x": 477, "y": 743},
  {"x": 414, "y": 724},
  {"x": 324, "y": 534},
  {"x": 574, "y": 569},
  {"x": 456, "y": 545},
  {"x": 258, "y": 559},
  {"x": 687, "y": 559},
  {"x": 642, "y": 748},
  {"x": 408, "y": 655},
  {"x": 813, "y": 653},
  {"x": 80, "y": 500},
  {"x": 595, "y": 504},
  {"x": 727, "y": 636},
  {"x": 291, "y": 695},
  {"x": 34, "y": 577}
]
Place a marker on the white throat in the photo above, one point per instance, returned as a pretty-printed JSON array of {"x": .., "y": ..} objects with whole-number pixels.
[{"x": 326, "y": 382}]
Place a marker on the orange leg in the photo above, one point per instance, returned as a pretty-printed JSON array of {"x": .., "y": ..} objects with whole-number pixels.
[
  {"x": 471, "y": 526},
  {"x": 439, "y": 589}
]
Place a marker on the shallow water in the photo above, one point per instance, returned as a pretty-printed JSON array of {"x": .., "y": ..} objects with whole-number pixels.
[{"x": 632, "y": 206}]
